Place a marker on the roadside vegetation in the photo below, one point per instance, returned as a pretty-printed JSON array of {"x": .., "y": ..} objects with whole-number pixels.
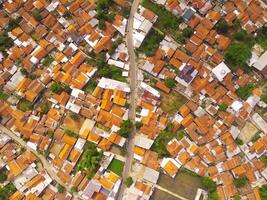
[{"x": 126, "y": 128}]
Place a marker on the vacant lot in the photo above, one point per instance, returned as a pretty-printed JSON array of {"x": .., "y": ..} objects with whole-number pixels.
[
  {"x": 116, "y": 166},
  {"x": 184, "y": 184},
  {"x": 170, "y": 103},
  {"x": 159, "y": 195},
  {"x": 247, "y": 132},
  {"x": 73, "y": 125}
]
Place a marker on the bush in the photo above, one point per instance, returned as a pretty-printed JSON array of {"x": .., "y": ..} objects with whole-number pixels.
[
  {"x": 209, "y": 184},
  {"x": 3, "y": 174},
  {"x": 48, "y": 61},
  {"x": 263, "y": 192},
  {"x": 264, "y": 159},
  {"x": 222, "y": 27},
  {"x": 240, "y": 182},
  {"x": 45, "y": 107},
  {"x": 237, "y": 197},
  {"x": 74, "y": 116},
  {"x": 138, "y": 125},
  {"x": 223, "y": 107},
  {"x": 69, "y": 132},
  {"x": 73, "y": 189},
  {"x": 60, "y": 188},
  {"x": 181, "y": 134},
  {"x": 56, "y": 88},
  {"x": 245, "y": 91},
  {"x": 126, "y": 128},
  {"x": 237, "y": 55},
  {"x": 180, "y": 38},
  {"x": 36, "y": 15},
  {"x": 170, "y": 83},
  {"x": 3, "y": 96},
  {"x": 24, "y": 105},
  {"x": 128, "y": 182},
  {"x": 239, "y": 141}
]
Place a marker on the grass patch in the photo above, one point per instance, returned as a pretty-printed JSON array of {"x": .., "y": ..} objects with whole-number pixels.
[
  {"x": 24, "y": 105},
  {"x": 167, "y": 22},
  {"x": 151, "y": 43},
  {"x": 116, "y": 166},
  {"x": 170, "y": 103}
]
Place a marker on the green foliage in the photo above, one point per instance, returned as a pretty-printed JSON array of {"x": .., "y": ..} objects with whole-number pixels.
[
  {"x": 56, "y": 88},
  {"x": 161, "y": 142},
  {"x": 115, "y": 44},
  {"x": 116, "y": 166},
  {"x": 3, "y": 174},
  {"x": 255, "y": 137},
  {"x": 100, "y": 60},
  {"x": 128, "y": 182},
  {"x": 102, "y": 12},
  {"x": 69, "y": 133},
  {"x": 180, "y": 38},
  {"x": 264, "y": 159},
  {"x": 48, "y": 61},
  {"x": 13, "y": 23},
  {"x": 5, "y": 42},
  {"x": 211, "y": 187},
  {"x": 240, "y": 35},
  {"x": 239, "y": 141},
  {"x": 237, "y": 55},
  {"x": 3, "y": 96},
  {"x": 237, "y": 197},
  {"x": 138, "y": 125},
  {"x": 151, "y": 43},
  {"x": 166, "y": 22},
  {"x": 73, "y": 189},
  {"x": 90, "y": 86},
  {"x": 90, "y": 160},
  {"x": 74, "y": 116},
  {"x": 181, "y": 134},
  {"x": 245, "y": 91},
  {"x": 111, "y": 71},
  {"x": 60, "y": 188},
  {"x": 50, "y": 134},
  {"x": 126, "y": 128},
  {"x": 187, "y": 32},
  {"x": 263, "y": 192},
  {"x": 240, "y": 182},
  {"x": 223, "y": 107},
  {"x": 45, "y": 107},
  {"x": 36, "y": 15},
  {"x": 7, "y": 191},
  {"x": 222, "y": 27},
  {"x": 24, "y": 105},
  {"x": 170, "y": 83},
  {"x": 24, "y": 71}
]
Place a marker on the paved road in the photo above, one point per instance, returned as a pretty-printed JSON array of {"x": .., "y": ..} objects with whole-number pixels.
[
  {"x": 47, "y": 166},
  {"x": 133, "y": 74}
]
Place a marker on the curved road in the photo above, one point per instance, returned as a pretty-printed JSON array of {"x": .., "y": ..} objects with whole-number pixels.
[
  {"x": 46, "y": 165},
  {"x": 133, "y": 70}
]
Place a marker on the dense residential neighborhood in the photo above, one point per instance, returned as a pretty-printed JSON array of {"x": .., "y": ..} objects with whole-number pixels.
[{"x": 133, "y": 99}]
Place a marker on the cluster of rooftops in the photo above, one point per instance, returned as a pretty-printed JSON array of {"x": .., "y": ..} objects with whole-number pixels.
[{"x": 55, "y": 52}]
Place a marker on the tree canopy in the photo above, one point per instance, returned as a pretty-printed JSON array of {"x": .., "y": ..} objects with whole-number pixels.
[
  {"x": 126, "y": 128},
  {"x": 237, "y": 55},
  {"x": 161, "y": 142}
]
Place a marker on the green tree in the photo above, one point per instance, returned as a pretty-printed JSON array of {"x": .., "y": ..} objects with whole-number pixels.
[
  {"x": 5, "y": 42},
  {"x": 69, "y": 132},
  {"x": 239, "y": 141},
  {"x": 264, "y": 159},
  {"x": 240, "y": 35},
  {"x": 48, "y": 61},
  {"x": 13, "y": 23},
  {"x": 73, "y": 189},
  {"x": 56, "y": 88},
  {"x": 187, "y": 32},
  {"x": 67, "y": 14},
  {"x": 263, "y": 192},
  {"x": 101, "y": 60},
  {"x": 60, "y": 188},
  {"x": 245, "y": 91},
  {"x": 237, "y": 55},
  {"x": 7, "y": 190},
  {"x": 180, "y": 38},
  {"x": 211, "y": 187},
  {"x": 24, "y": 71},
  {"x": 126, "y": 128},
  {"x": 74, "y": 116},
  {"x": 128, "y": 182},
  {"x": 240, "y": 182},
  {"x": 222, "y": 27},
  {"x": 170, "y": 83},
  {"x": 237, "y": 197},
  {"x": 223, "y": 107},
  {"x": 161, "y": 142},
  {"x": 3, "y": 174}
]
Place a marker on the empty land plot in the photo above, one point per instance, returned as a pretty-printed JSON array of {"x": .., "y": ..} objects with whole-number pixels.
[
  {"x": 73, "y": 125},
  {"x": 170, "y": 103},
  {"x": 184, "y": 184}
]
